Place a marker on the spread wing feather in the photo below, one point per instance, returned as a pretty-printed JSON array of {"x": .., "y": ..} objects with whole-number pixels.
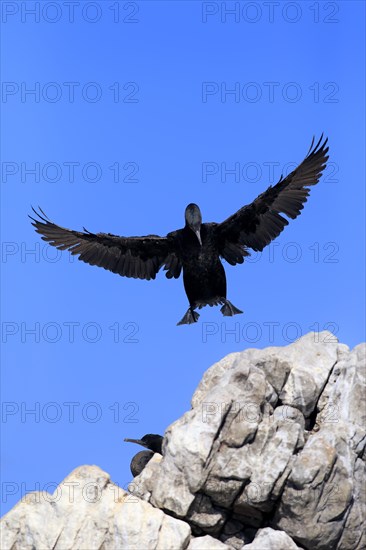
[
  {"x": 257, "y": 224},
  {"x": 137, "y": 257}
]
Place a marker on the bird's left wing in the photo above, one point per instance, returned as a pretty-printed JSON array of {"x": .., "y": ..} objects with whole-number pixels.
[
  {"x": 258, "y": 223},
  {"x": 137, "y": 257}
]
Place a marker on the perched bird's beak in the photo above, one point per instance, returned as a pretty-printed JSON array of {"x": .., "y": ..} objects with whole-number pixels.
[
  {"x": 138, "y": 441},
  {"x": 197, "y": 232}
]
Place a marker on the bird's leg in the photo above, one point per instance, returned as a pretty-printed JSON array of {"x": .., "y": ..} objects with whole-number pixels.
[
  {"x": 190, "y": 317},
  {"x": 228, "y": 309}
]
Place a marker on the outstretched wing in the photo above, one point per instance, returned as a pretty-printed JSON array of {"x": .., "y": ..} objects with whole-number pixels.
[
  {"x": 258, "y": 223},
  {"x": 137, "y": 257}
]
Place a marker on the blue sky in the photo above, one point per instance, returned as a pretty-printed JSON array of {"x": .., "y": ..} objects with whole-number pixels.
[{"x": 137, "y": 109}]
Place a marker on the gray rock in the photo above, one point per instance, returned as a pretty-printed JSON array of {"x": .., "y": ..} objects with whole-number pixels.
[
  {"x": 261, "y": 445},
  {"x": 269, "y": 539},
  {"x": 271, "y": 455},
  {"x": 207, "y": 543},
  {"x": 88, "y": 511},
  {"x": 323, "y": 503}
]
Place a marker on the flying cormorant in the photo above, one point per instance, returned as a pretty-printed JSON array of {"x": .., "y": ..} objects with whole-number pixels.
[
  {"x": 154, "y": 443},
  {"x": 198, "y": 247}
]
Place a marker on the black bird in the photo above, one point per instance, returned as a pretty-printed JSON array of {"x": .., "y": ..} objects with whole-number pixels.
[
  {"x": 198, "y": 247},
  {"x": 139, "y": 462},
  {"x": 154, "y": 443}
]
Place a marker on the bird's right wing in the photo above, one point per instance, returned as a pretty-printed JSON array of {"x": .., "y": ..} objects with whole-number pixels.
[{"x": 137, "y": 257}]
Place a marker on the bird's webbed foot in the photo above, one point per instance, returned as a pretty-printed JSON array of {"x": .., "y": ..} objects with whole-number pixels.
[
  {"x": 228, "y": 309},
  {"x": 190, "y": 317}
]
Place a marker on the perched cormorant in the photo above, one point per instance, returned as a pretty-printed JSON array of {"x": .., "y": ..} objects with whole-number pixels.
[
  {"x": 154, "y": 443},
  {"x": 198, "y": 247}
]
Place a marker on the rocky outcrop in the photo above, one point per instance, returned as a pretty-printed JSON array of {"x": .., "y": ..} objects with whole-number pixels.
[
  {"x": 88, "y": 511},
  {"x": 270, "y": 456}
]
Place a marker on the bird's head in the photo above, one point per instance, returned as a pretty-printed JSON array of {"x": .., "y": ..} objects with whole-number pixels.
[
  {"x": 150, "y": 441},
  {"x": 193, "y": 219}
]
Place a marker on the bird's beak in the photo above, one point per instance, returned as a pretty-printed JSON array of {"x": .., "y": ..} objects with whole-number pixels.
[
  {"x": 198, "y": 235},
  {"x": 138, "y": 441}
]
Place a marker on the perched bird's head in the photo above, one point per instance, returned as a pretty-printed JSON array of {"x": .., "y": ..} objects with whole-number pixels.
[
  {"x": 150, "y": 441},
  {"x": 194, "y": 220}
]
